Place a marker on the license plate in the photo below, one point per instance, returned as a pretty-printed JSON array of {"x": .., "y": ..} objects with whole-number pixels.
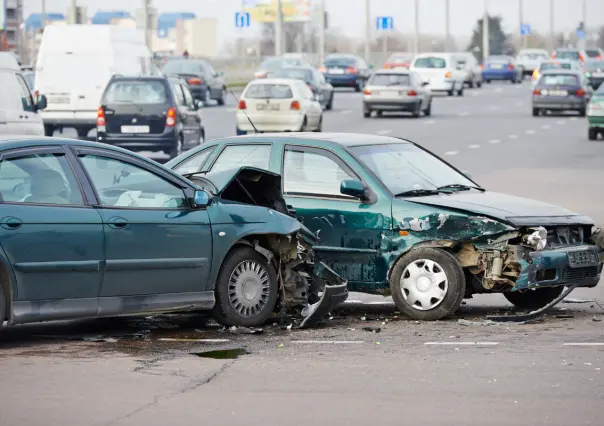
[
  {"x": 135, "y": 129},
  {"x": 582, "y": 259},
  {"x": 274, "y": 107},
  {"x": 496, "y": 67},
  {"x": 261, "y": 107},
  {"x": 336, "y": 71},
  {"x": 557, "y": 93},
  {"x": 59, "y": 99}
]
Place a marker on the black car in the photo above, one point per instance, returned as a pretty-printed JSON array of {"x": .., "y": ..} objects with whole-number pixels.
[
  {"x": 342, "y": 70},
  {"x": 149, "y": 114},
  {"x": 204, "y": 82},
  {"x": 314, "y": 79},
  {"x": 594, "y": 71}
]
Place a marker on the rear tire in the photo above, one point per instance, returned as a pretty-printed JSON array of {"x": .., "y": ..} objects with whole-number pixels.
[
  {"x": 533, "y": 299},
  {"x": 49, "y": 130},
  {"x": 428, "y": 110},
  {"x": 471, "y": 84},
  {"x": 417, "y": 112},
  {"x": 367, "y": 113},
  {"x": 177, "y": 148},
  {"x": 488, "y": 81},
  {"x": 3, "y": 304},
  {"x": 320, "y": 125},
  {"x": 514, "y": 81},
  {"x": 479, "y": 84},
  {"x": 82, "y": 132},
  {"x": 536, "y": 112},
  {"x": 460, "y": 91},
  {"x": 592, "y": 134},
  {"x": 358, "y": 86},
  {"x": 329, "y": 105},
  {"x": 582, "y": 112},
  {"x": 222, "y": 99}
]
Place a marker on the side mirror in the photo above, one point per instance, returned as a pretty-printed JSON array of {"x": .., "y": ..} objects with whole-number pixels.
[
  {"x": 467, "y": 174},
  {"x": 41, "y": 102},
  {"x": 425, "y": 83},
  {"x": 198, "y": 104},
  {"x": 371, "y": 66},
  {"x": 352, "y": 187},
  {"x": 201, "y": 199}
]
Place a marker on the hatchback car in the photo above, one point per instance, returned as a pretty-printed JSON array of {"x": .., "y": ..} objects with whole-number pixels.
[
  {"x": 149, "y": 114},
  {"x": 278, "y": 105},
  {"x": 530, "y": 59},
  {"x": 277, "y": 62},
  {"x": 443, "y": 71},
  {"x": 594, "y": 71},
  {"x": 555, "y": 64},
  {"x": 118, "y": 234},
  {"x": 322, "y": 90},
  {"x": 595, "y": 114},
  {"x": 570, "y": 54},
  {"x": 559, "y": 90},
  {"x": 501, "y": 68},
  {"x": 344, "y": 70},
  {"x": 594, "y": 53},
  {"x": 391, "y": 217},
  {"x": 472, "y": 68},
  {"x": 204, "y": 82},
  {"x": 396, "y": 90}
]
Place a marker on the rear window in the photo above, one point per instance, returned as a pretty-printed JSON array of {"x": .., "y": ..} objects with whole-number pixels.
[
  {"x": 559, "y": 80},
  {"x": 430, "y": 62},
  {"x": 183, "y": 67},
  {"x": 555, "y": 66},
  {"x": 499, "y": 60},
  {"x": 304, "y": 75},
  {"x": 568, "y": 54},
  {"x": 138, "y": 92},
  {"x": 342, "y": 62},
  {"x": 592, "y": 53},
  {"x": 269, "y": 91},
  {"x": 390, "y": 80}
]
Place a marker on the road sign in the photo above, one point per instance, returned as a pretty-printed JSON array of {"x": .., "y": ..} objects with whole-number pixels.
[
  {"x": 525, "y": 29},
  {"x": 384, "y": 23},
  {"x": 242, "y": 19},
  {"x": 581, "y": 34}
]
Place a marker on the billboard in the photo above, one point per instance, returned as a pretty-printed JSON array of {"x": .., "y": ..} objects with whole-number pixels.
[
  {"x": 2, "y": 15},
  {"x": 266, "y": 10}
]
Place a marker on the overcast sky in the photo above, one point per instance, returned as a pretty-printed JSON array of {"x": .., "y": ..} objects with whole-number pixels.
[{"x": 348, "y": 15}]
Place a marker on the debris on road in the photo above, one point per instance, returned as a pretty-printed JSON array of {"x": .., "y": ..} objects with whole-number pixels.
[
  {"x": 222, "y": 354},
  {"x": 175, "y": 339},
  {"x": 462, "y": 321},
  {"x": 564, "y": 316},
  {"x": 245, "y": 330},
  {"x": 372, "y": 329},
  {"x": 576, "y": 301}
]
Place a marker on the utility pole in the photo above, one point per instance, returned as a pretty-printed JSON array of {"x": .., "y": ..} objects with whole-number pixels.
[
  {"x": 447, "y": 27},
  {"x": 583, "y": 43},
  {"x": 43, "y": 23},
  {"x": 552, "y": 35},
  {"x": 321, "y": 31},
  {"x": 485, "y": 32},
  {"x": 279, "y": 30},
  {"x": 521, "y": 22},
  {"x": 147, "y": 22},
  {"x": 416, "y": 36},
  {"x": 367, "y": 30},
  {"x": 74, "y": 11}
]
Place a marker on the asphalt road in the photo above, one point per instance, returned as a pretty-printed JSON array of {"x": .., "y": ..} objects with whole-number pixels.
[{"x": 452, "y": 372}]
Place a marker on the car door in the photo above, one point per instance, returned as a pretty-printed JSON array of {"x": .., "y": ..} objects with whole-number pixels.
[
  {"x": 155, "y": 244},
  {"x": 51, "y": 236},
  {"x": 184, "y": 113},
  {"x": 350, "y": 230},
  {"x": 193, "y": 117}
]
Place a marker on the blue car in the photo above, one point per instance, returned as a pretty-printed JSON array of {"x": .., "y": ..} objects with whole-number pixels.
[
  {"x": 501, "y": 68},
  {"x": 342, "y": 70}
]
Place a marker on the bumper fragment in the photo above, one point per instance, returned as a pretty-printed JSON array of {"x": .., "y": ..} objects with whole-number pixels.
[{"x": 334, "y": 294}]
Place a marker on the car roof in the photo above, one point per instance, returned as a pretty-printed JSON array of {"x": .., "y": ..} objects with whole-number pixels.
[
  {"x": 341, "y": 139},
  {"x": 8, "y": 61},
  {"x": 562, "y": 71},
  {"x": 296, "y": 67},
  {"x": 402, "y": 71},
  {"x": 273, "y": 81},
  {"x": 567, "y": 49}
]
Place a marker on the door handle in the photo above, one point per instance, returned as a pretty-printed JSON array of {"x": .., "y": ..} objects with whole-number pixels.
[
  {"x": 11, "y": 223},
  {"x": 291, "y": 210},
  {"x": 117, "y": 222}
]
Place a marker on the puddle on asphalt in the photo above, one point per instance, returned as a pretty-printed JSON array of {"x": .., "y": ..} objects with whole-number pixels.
[{"x": 222, "y": 354}]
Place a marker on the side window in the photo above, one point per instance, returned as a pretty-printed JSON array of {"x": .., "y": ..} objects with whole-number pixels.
[
  {"x": 310, "y": 173},
  {"x": 188, "y": 97},
  {"x": 26, "y": 99},
  {"x": 193, "y": 164},
  {"x": 179, "y": 96},
  {"x": 121, "y": 184},
  {"x": 39, "y": 179},
  {"x": 234, "y": 156}
]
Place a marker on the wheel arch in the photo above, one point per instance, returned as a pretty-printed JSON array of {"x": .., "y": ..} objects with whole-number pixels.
[
  {"x": 7, "y": 285},
  {"x": 446, "y": 245}
]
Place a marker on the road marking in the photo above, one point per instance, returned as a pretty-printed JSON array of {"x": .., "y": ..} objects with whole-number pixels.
[
  {"x": 583, "y": 344},
  {"x": 574, "y": 118},
  {"x": 463, "y": 114},
  {"x": 346, "y": 111},
  {"x": 328, "y": 342},
  {"x": 473, "y": 146},
  {"x": 546, "y": 126},
  {"x": 560, "y": 122},
  {"x": 429, "y": 122},
  {"x": 530, "y": 132},
  {"x": 383, "y": 132},
  {"x": 519, "y": 103},
  {"x": 513, "y": 136},
  {"x": 451, "y": 153},
  {"x": 462, "y": 343},
  {"x": 170, "y": 339},
  {"x": 475, "y": 94},
  {"x": 493, "y": 107},
  {"x": 494, "y": 141}
]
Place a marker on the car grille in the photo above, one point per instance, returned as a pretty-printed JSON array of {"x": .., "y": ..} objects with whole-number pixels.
[
  {"x": 565, "y": 235},
  {"x": 572, "y": 275}
]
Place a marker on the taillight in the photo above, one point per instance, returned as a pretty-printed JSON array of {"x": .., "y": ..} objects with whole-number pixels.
[
  {"x": 195, "y": 81},
  {"x": 598, "y": 57},
  {"x": 351, "y": 70},
  {"x": 171, "y": 117},
  {"x": 581, "y": 58},
  {"x": 100, "y": 117},
  {"x": 241, "y": 105},
  {"x": 366, "y": 92},
  {"x": 510, "y": 67},
  {"x": 260, "y": 74},
  {"x": 580, "y": 92},
  {"x": 388, "y": 66},
  {"x": 322, "y": 69},
  {"x": 482, "y": 66},
  {"x": 536, "y": 92},
  {"x": 412, "y": 93},
  {"x": 295, "y": 105},
  {"x": 448, "y": 74}
]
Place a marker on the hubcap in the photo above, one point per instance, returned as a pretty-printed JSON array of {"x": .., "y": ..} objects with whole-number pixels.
[
  {"x": 249, "y": 287},
  {"x": 424, "y": 284}
]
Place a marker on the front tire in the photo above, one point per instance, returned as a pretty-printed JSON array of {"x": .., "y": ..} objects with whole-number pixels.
[
  {"x": 428, "y": 110},
  {"x": 49, "y": 130},
  {"x": 427, "y": 284},
  {"x": 536, "y": 112},
  {"x": 222, "y": 99},
  {"x": 177, "y": 147},
  {"x": 592, "y": 134},
  {"x": 460, "y": 91},
  {"x": 533, "y": 299},
  {"x": 358, "y": 86},
  {"x": 479, "y": 84},
  {"x": 329, "y": 105},
  {"x": 246, "y": 289}
]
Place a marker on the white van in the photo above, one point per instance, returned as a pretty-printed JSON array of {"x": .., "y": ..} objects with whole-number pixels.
[
  {"x": 75, "y": 63},
  {"x": 445, "y": 72}
]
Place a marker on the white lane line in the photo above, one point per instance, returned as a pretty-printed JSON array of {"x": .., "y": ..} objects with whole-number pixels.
[
  {"x": 346, "y": 111},
  {"x": 560, "y": 122},
  {"x": 475, "y": 94},
  {"x": 383, "y": 132},
  {"x": 473, "y": 146},
  {"x": 546, "y": 126},
  {"x": 429, "y": 122},
  {"x": 494, "y": 141},
  {"x": 231, "y": 109},
  {"x": 513, "y": 136},
  {"x": 463, "y": 114},
  {"x": 573, "y": 118},
  {"x": 328, "y": 342},
  {"x": 451, "y": 153},
  {"x": 583, "y": 344},
  {"x": 493, "y": 107},
  {"x": 498, "y": 90},
  {"x": 461, "y": 343},
  {"x": 530, "y": 132}
]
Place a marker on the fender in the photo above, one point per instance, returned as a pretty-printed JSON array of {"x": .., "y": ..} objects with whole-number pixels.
[{"x": 11, "y": 287}]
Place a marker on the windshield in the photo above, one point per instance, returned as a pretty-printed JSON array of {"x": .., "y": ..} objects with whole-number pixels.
[
  {"x": 139, "y": 92},
  {"x": 340, "y": 61},
  {"x": 295, "y": 74},
  {"x": 430, "y": 62},
  {"x": 595, "y": 65},
  {"x": 405, "y": 167},
  {"x": 390, "y": 80},
  {"x": 183, "y": 67},
  {"x": 568, "y": 54},
  {"x": 559, "y": 80},
  {"x": 268, "y": 91},
  {"x": 276, "y": 63},
  {"x": 556, "y": 66}
]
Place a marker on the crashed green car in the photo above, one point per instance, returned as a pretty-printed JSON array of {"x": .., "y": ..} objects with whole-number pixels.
[
  {"x": 393, "y": 218},
  {"x": 595, "y": 114}
]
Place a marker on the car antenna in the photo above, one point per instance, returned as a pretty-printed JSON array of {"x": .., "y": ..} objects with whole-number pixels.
[{"x": 244, "y": 111}]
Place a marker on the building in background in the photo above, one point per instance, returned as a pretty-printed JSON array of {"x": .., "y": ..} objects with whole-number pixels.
[
  {"x": 199, "y": 37},
  {"x": 11, "y": 17}
]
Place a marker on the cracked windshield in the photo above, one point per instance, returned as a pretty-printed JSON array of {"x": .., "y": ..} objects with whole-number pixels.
[{"x": 237, "y": 212}]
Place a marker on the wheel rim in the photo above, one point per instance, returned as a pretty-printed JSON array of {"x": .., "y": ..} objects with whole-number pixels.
[
  {"x": 424, "y": 284},
  {"x": 249, "y": 288}
]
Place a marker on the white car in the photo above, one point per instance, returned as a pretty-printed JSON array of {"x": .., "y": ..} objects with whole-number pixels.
[
  {"x": 530, "y": 59},
  {"x": 445, "y": 72},
  {"x": 471, "y": 68},
  {"x": 278, "y": 105}
]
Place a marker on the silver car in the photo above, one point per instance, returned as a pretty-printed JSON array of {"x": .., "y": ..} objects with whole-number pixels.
[
  {"x": 561, "y": 90},
  {"x": 396, "y": 90}
]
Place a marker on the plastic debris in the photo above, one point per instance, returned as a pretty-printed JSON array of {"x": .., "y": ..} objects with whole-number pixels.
[
  {"x": 289, "y": 327},
  {"x": 576, "y": 301},
  {"x": 281, "y": 345},
  {"x": 462, "y": 321},
  {"x": 245, "y": 330},
  {"x": 538, "y": 239},
  {"x": 378, "y": 343},
  {"x": 372, "y": 329},
  {"x": 596, "y": 319}
]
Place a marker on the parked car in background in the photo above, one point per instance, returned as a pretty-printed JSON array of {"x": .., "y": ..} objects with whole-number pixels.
[
  {"x": 530, "y": 59},
  {"x": 596, "y": 53},
  {"x": 19, "y": 110},
  {"x": 442, "y": 71},
  {"x": 394, "y": 218},
  {"x": 472, "y": 69},
  {"x": 203, "y": 80},
  {"x": 149, "y": 114},
  {"x": 555, "y": 64},
  {"x": 119, "y": 234},
  {"x": 561, "y": 90},
  {"x": 570, "y": 54},
  {"x": 399, "y": 60},
  {"x": 344, "y": 70},
  {"x": 501, "y": 67},
  {"x": 396, "y": 90},
  {"x": 322, "y": 90},
  {"x": 594, "y": 71},
  {"x": 595, "y": 114},
  {"x": 278, "y": 105},
  {"x": 276, "y": 62}
]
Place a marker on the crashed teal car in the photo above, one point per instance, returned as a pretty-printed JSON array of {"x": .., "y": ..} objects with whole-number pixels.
[{"x": 393, "y": 218}]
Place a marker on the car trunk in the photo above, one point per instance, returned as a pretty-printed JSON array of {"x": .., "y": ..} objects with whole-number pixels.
[
  {"x": 131, "y": 118},
  {"x": 275, "y": 107},
  {"x": 390, "y": 92}
]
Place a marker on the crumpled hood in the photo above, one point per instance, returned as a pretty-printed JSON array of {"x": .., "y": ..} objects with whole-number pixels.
[{"x": 515, "y": 210}]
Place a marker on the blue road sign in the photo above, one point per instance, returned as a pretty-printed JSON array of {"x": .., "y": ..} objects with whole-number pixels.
[
  {"x": 242, "y": 19},
  {"x": 525, "y": 29},
  {"x": 383, "y": 23},
  {"x": 581, "y": 34}
]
